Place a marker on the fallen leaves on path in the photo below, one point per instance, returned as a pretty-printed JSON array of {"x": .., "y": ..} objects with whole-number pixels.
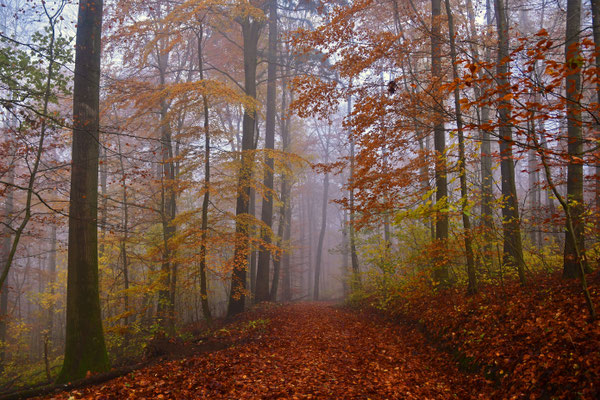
[{"x": 305, "y": 351}]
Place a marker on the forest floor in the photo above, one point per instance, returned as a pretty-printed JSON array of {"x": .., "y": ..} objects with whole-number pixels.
[{"x": 303, "y": 351}]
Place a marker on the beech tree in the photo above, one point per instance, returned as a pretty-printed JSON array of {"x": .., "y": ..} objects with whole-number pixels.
[
  {"x": 513, "y": 249},
  {"x": 251, "y": 24},
  {"x": 574, "y": 252},
  {"x": 85, "y": 350}
]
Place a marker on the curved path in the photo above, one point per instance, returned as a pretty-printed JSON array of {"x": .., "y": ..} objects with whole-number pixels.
[{"x": 306, "y": 351}]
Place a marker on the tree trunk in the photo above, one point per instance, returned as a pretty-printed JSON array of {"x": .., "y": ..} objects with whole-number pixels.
[
  {"x": 124, "y": 255},
  {"x": 251, "y": 32},
  {"x": 441, "y": 272},
  {"x": 462, "y": 161},
  {"x": 595, "y": 4},
  {"x": 285, "y": 193},
  {"x": 512, "y": 251},
  {"x": 286, "y": 293},
  {"x": 51, "y": 282},
  {"x": 6, "y": 245},
  {"x": 104, "y": 206},
  {"x": 575, "y": 145},
  {"x": 264, "y": 256},
  {"x": 318, "y": 260},
  {"x": 487, "y": 177},
  {"x": 356, "y": 280},
  {"x": 85, "y": 350},
  {"x": 205, "y": 201}
]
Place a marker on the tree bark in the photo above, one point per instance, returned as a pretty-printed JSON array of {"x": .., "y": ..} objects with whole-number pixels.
[
  {"x": 85, "y": 350},
  {"x": 462, "y": 161},
  {"x": 168, "y": 203},
  {"x": 264, "y": 256},
  {"x": 441, "y": 273},
  {"x": 595, "y": 4},
  {"x": 250, "y": 32},
  {"x": 124, "y": 238},
  {"x": 318, "y": 260},
  {"x": 286, "y": 292},
  {"x": 6, "y": 245},
  {"x": 513, "y": 250},
  {"x": 356, "y": 280},
  {"x": 575, "y": 145},
  {"x": 51, "y": 282},
  {"x": 285, "y": 199},
  {"x": 206, "y": 186}
]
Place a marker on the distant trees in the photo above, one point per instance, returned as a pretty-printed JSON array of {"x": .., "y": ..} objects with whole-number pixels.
[{"x": 529, "y": 85}]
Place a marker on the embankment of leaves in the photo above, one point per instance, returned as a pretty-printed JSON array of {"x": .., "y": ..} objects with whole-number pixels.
[
  {"x": 222, "y": 334},
  {"x": 534, "y": 342}
]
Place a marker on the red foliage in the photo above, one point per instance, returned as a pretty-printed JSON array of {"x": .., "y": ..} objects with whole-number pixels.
[
  {"x": 306, "y": 351},
  {"x": 535, "y": 341}
]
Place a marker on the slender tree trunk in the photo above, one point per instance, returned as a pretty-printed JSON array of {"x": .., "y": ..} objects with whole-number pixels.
[
  {"x": 104, "y": 206},
  {"x": 462, "y": 161},
  {"x": 205, "y": 201},
  {"x": 345, "y": 254},
  {"x": 284, "y": 210},
  {"x": 6, "y": 245},
  {"x": 51, "y": 283},
  {"x": 356, "y": 279},
  {"x": 124, "y": 239},
  {"x": 487, "y": 178},
  {"x": 595, "y": 4},
  {"x": 513, "y": 250},
  {"x": 575, "y": 145},
  {"x": 286, "y": 293},
  {"x": 311, "y": 229},
  {"x": 318, "y": 260},
  {"x": 251, "y": 32},
  {"x": 439, "y": 138},
  {"x": 264, "y": 256},
  {"x": 85, "y": 350}
]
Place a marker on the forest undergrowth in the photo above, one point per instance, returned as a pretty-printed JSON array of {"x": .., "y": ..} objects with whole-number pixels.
[
  {"x": 532, "y": 342},
  {"x": 506, "y": 342}
]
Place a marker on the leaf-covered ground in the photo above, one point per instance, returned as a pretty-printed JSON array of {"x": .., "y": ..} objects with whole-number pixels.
[
  {"x": 535, "y": 342},
  {"x": 304, "y": 351}
]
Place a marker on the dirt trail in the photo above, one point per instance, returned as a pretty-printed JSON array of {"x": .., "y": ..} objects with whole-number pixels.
[{"x": 305, "y": 351}]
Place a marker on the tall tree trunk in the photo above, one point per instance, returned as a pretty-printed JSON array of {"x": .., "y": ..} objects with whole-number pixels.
[
  {"x": 51, "y": 282},
  {"x": 124, "y": 238},
  {"x": 439, "y": 138},
  {"x": 6, "y": 245},
  {"x": 534, "y": 178},
  {"x": 512, "y": 251},
  {"x": 356, "y": 279},
  {"x": 572, "y": 250},
  {"x": 85, "y": 350},
  {"x": 251, "y": 32},
  {"x": 104, "y": 206},
  {"x": 318, "y": 260},
  {"x": 264, "y": 256},
  {"x": 205, "y": 201},
  {"x": 487, "y": 178},
  {"x": 285, "y": 198},
  {"x": 345, "y": 254},
  {"x": 286, "y": 292},
  {"x": 311, "y": 229},
  {"x": 595, "y": 4},
  {"x": 462, "y": 160}
]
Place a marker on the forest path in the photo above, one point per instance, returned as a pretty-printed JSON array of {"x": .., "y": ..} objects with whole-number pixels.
[{"x": 306, "y": 351}]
